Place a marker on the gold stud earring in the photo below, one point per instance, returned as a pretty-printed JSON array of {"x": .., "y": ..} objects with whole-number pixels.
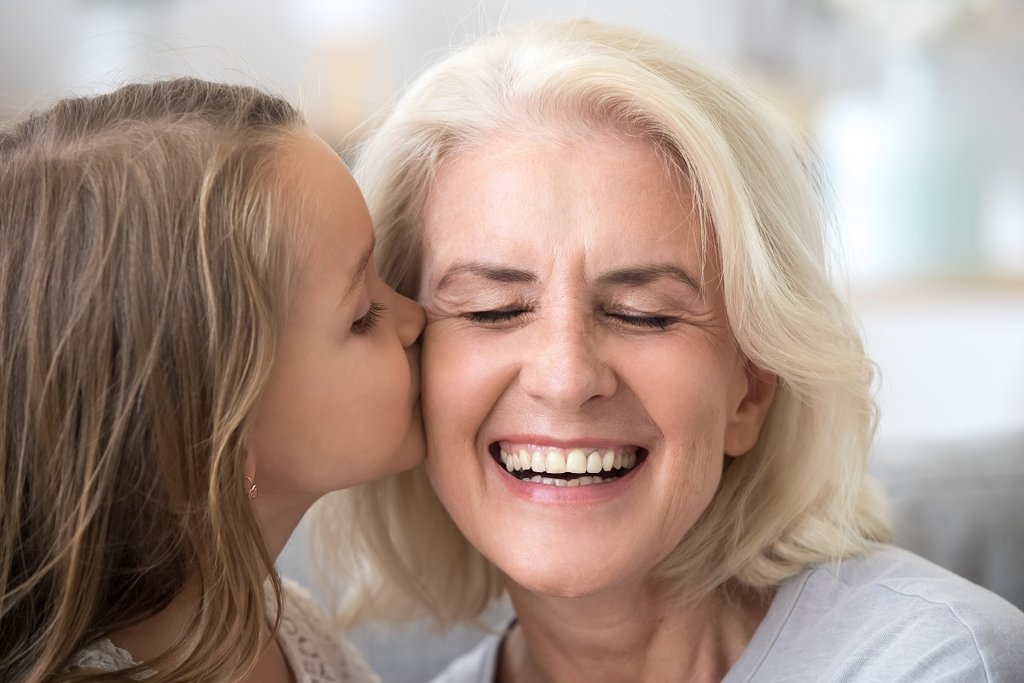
[{"x": 253, "y": 491}]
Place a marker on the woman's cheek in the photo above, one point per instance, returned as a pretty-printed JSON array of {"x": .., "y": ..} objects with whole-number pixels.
[{"x": 450, "y": 364}]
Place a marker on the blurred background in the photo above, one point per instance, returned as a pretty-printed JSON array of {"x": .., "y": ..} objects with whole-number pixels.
[{"x": 915, "y": 104}]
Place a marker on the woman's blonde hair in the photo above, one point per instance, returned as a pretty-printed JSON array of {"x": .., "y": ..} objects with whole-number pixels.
[
  {"x": 801, "y": 495},
  {"x": 142, "y": 274}
]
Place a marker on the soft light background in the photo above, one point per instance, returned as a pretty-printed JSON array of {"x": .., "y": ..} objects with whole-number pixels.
[{"x": 917, "y": 106}]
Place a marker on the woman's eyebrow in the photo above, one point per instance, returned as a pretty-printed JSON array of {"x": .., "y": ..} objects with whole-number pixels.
[
  {"x": 501, "y": 274},
  {"x": 643, "y": 275}
]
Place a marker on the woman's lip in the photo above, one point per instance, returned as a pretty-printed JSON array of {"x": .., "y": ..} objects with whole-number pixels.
[
  {"x": 554, "y": 442},
  {"x": 547, "y": 494}
]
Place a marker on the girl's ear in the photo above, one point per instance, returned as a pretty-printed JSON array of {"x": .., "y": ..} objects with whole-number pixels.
[
  {"x": 249, "y": 472},
  {"x": 744, "y": 425}
]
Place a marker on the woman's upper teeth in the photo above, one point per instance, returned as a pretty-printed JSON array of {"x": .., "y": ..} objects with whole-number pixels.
[{"x": 582, "y": 460}]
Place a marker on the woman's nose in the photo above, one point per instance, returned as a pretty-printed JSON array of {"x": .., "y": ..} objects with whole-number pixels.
[
  {"x": 409, "y": 319},
  {"x": 562, "y": 365}
]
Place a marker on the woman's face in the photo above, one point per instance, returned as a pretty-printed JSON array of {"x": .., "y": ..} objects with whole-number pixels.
[
  {"x": 342, "y": 404},
  {"x": 581, "y": 382}
]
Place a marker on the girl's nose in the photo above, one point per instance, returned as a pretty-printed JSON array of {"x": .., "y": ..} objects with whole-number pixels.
[{"x": 409, "y": 319}]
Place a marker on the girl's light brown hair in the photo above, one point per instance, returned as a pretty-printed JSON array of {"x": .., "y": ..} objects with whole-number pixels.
[{"x": 142, "y": 271}]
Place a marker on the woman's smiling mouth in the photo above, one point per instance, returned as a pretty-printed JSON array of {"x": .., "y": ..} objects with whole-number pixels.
[{"x": 573, "y": 466}]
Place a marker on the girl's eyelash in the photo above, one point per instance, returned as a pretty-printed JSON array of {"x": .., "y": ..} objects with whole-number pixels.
[{"x": 369, "y": 320}]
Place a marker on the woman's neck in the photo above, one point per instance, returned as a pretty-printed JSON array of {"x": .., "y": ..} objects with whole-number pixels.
[{"x": 629, "y": 633}]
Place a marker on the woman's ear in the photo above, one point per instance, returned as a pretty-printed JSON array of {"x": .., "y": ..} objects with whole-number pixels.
[{"x": 744, "y": 425}]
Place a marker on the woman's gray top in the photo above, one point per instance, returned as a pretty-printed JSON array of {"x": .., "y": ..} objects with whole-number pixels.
[{"x": 887, "y": 616}]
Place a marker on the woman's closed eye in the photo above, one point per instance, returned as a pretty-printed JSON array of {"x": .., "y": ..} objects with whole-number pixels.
[
  {"x": 642, "y": 320},
  {"x": 633, "y": 319},
  {"x": 496, "y": 316},
  {"x": 369, "y": 319}
]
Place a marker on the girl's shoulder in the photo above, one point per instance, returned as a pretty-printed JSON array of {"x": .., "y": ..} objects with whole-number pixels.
[
  {"x": 102, "y": 656},
  {"x": 317, "y": 651}
]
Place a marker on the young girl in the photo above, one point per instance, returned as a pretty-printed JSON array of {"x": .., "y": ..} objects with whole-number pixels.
[{"x": 195, "y": 346}]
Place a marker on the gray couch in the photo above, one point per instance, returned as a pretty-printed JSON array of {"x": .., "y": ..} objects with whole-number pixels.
[{"x": 960, "y": 504}]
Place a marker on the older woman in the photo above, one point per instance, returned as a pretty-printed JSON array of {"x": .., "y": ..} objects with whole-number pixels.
[{"x": 648, "y": 412}]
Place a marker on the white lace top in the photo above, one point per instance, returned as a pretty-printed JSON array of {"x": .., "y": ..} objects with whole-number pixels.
[{"x": 314, "y": 655}]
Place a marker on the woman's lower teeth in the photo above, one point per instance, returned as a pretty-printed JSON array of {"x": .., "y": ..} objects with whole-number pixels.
[{"x": 580, "y": 481}]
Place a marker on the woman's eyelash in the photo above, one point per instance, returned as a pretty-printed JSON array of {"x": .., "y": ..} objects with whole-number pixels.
[
  {"x": 496, "y": 316},
  {"x": 503, "y": 315},
  {"x": 369, "y": 320},
  {"x": 654, "y": 322}
]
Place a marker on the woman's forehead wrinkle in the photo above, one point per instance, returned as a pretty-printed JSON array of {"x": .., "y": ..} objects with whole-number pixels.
[
  {"x": 493, "y": 273},
  {"x": 643, "y": 275}
]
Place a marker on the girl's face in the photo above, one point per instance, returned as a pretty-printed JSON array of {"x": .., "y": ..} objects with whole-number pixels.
[
  {"x": 342, "y": 404},
  {"x": 582, "y": 383}
]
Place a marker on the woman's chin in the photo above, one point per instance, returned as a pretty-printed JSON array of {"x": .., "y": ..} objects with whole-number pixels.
[
  {"x": 557, "y": 587},
  {"x": 562, "y": 576}
]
